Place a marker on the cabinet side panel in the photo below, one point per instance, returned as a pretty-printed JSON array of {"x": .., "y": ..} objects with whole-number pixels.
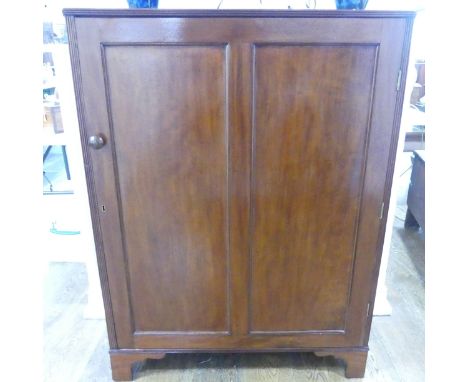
[
  {"x": 312, "y": 106},
  {"x": 100, "y": 257},
  {"x": 170, "y": 147}
]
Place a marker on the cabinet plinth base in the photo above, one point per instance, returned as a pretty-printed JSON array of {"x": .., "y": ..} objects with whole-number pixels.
[
  {"x": 355, "y": 361},
  {"x": 121, "y": 363},
  {"x": 122, "y": 360}
]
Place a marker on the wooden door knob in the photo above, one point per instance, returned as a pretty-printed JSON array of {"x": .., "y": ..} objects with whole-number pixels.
[{"x": 96, "y": 141}]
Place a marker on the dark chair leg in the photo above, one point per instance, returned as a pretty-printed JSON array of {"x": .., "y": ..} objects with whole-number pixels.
[
  {"x": 44, "y": 157},
  {"x": 65, "y": 161}
]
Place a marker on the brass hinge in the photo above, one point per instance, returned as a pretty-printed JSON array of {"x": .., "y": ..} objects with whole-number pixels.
[
  {"x": 398, "y": 84},
  {"x": 381, "y": 211}
]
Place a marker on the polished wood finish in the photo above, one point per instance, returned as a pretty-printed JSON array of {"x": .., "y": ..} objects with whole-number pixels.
[
  {"x": 172, "y": 186},
  {"x": 355, "y": 361},
  {"x": 238, "y": 203},
  {"x": 310, "y": 138},
  {"x": 121, "y": 363}
]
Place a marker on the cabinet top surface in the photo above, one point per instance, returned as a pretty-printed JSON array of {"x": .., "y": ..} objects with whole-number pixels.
[{"x": 244, "y": 13}]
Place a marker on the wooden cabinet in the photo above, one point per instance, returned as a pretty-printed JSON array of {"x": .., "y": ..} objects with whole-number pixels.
[{"x": 238, "y": 165}]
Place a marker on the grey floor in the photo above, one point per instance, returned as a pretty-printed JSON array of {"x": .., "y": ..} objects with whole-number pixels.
[{"x": 75, "y": 349}]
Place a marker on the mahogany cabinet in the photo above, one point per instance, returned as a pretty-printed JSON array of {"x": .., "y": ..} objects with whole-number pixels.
[{"x": 239, "y": 165}]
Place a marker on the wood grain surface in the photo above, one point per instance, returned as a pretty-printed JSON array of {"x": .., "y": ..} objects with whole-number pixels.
[
  {"x": 309, "y": 146},
  {"x": 169, "y": 136}
]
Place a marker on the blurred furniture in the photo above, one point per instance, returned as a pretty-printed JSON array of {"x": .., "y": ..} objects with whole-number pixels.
[
  {"x": 415, "y": 138},
  {"x": 415, "y": 214},
  {"x": 64, "y": 155},
  {"x": 53, "y": 133},
  {"x": 53, "y": 117},
  {"x": 419, "y": 89}
]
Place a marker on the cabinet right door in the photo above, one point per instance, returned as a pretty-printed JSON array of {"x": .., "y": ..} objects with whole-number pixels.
[{"x": 324, "y": 122}]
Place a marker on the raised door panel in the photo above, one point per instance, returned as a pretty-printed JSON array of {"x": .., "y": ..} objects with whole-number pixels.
[
  {"x": 167, "y": 107},
  {"x": 312, "y": 106}
]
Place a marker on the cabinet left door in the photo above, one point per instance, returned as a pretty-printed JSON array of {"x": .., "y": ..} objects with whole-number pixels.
[{"x": 159, "y": 186}]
